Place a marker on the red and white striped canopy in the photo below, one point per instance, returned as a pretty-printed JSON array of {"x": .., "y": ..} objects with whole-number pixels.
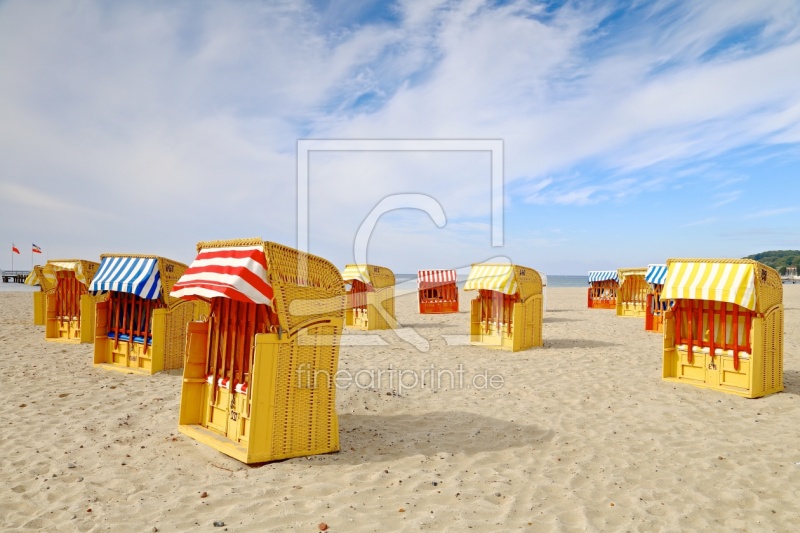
[
  {"x": 435, "y": 278},
  {"x": 237, "y": 272}
]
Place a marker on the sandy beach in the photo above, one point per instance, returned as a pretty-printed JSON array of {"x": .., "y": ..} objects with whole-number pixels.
[{"x": 581, "y": 435}]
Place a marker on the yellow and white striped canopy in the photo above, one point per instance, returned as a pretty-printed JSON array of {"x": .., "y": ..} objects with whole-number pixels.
[
  {"x": 32, "y": 279},
  {"x": 495, "y": 277},
  {"x": 359, "y": 272},
  {"x": 49, "y": 270},
  {"x": 719, "y": 282},
  {"x": 625, "y": 273}
]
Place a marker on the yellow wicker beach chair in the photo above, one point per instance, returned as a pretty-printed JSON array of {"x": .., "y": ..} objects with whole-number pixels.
[
  {"x": 36, "y": 278},
  {"x": 258, "y": 382},
  {"x": 370, "y": 297},
  {"x": 507, "y": 313},
  {"x": 725, "y": 330},
  {"x": 69, "y": 314},
  {"x": 139, "y": 327},
  {"x": 632, "y": 292}
]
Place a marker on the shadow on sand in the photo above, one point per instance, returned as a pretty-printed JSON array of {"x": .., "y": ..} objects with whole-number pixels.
[{"x": 381, "y": 438}]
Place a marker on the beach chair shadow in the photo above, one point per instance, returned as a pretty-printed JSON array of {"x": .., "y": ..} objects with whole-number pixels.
[
  {"x": 553, "y": 319},
  {"x": 381, "y": 438},
  {"x": 578, "y": 343},
  {"x": 791, "y": 382}
]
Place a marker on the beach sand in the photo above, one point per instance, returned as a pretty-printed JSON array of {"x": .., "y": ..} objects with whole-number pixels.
[{"x": 583, "y": 435}]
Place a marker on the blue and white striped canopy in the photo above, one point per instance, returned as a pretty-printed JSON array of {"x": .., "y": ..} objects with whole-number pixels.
[
  {"x": 134, "y": 275},
  {"x": 656, "y": 274},
  {"x": 602, "y": 275}
]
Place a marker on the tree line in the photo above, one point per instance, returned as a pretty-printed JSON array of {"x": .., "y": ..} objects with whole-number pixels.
[{"x": 778, "y": 259}]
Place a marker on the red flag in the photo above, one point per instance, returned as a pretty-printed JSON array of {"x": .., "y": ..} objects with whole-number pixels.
[{"x": 14, "y": 248}]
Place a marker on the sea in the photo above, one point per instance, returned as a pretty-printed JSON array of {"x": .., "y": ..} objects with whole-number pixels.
[
  {"x": 17, "y": 287},
  {"x": 552, "y": 281}
]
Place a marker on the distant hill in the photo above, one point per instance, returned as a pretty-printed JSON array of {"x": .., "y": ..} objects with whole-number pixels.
[{"x": 778, "y": 259}]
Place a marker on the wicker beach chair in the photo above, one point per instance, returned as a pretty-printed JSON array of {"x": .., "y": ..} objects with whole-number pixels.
[
  {"x": 139, "y": 327},
  {"x": 370, "y": 297},
  {"x": 258, "y": 382},
  {"x": 632, "y": 292},
  {"x": 69, "y": 311},
  {"x": 725, "y": 330},
  {"x": 36, "y": 278},
  {"x": 507, "y": 313}
]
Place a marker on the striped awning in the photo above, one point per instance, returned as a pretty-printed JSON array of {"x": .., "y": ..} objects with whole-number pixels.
[
  {"x": 51, "y": 267},
  {"x": 498, "y": 278},
  {"x": 134, "y": 275},
  {"x": 719, "y": 282},
  {"x": 435, "y": 278},
  {"x": 237, "y": 272},
  {"x": 603, "y": 275},
  {"x": 656, "y": 274},
  {"x": 357, "y": 272}
]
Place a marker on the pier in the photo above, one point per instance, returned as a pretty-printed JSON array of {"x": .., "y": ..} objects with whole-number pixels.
[{"x": 15, "y": 276}]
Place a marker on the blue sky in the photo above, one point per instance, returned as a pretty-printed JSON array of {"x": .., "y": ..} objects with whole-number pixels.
[{"x": 632, "y": 131}]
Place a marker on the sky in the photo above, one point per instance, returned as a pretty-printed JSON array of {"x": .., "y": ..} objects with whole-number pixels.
[{"x": 630, "y": 131}]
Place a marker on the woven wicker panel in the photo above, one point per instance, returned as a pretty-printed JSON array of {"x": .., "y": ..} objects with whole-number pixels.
[
  {"x": 622, "y": 273},
  {"x": 44, "y": 283},
  {"x": 175, "y": 337},
  {"x": 380, "y": 276},
  {"x": 170, "y": 272},
  {"x": 305, "y": 403},
  {"x": 201, "y": 311},
  {"x": 253, "y": 241},
  {"x": 772, "y": 351},
  {"x": 89, "y": 269},
  {"x": 529, "y": 282},
  {"x": 388, "y": 304},
  {"x": 307, "y": 288},
  {"x": 769, "y": 289},
  {"x": 768, "y": 282}
]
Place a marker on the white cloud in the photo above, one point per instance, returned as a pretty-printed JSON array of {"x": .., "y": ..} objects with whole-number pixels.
[
  {"x": 702, "y": 222},
  {"x": 771, "y": 212}
]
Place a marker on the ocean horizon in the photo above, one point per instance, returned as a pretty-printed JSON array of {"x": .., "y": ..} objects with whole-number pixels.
[{"x": 553, "y": 280}]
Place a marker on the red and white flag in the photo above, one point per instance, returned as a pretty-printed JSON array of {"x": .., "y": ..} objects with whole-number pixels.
[{"x": 14, "y": 248}]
